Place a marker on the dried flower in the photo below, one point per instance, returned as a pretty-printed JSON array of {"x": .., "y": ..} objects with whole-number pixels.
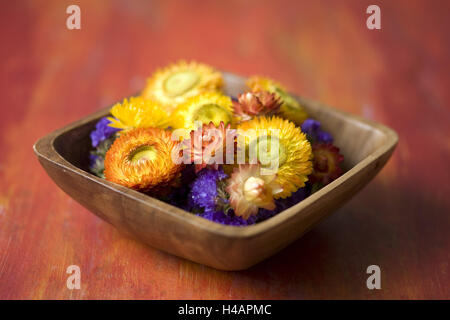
[
  {"x": 314, "y": 133},
  {"x": 290, "y": 109},
  {"x": 137, "y": 112},
  {"x": 204, "y": 193},
  {"x": 327, "y": 163},
  {"x": 141, "y": 159},
  {"x": 249, "y": 190},
  {"x": 251, "y": 104},
  {"x": 204, "y": 108},
  {"x": 102, "y": 132},
  {"x": 208, "y": 145},
  {"x": 178, "y": 82},
  {"x": 289, "y": 148}
]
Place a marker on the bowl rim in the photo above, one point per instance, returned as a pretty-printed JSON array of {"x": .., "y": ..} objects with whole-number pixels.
[{"x": 44, "y": 148}]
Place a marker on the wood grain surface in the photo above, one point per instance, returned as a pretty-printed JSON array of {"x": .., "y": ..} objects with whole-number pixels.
[{"x": 399, "y": 75}]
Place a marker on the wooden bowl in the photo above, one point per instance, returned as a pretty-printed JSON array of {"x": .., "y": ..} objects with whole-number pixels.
[{"x": 365, "y": 145}]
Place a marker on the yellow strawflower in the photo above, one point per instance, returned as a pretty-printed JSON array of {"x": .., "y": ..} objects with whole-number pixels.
[
  {"x": 204, "y": 108},
  {"x": 279, "y": 141},
  {"x": 137, "y": 112},
  {"x": 178, "y": 82}
]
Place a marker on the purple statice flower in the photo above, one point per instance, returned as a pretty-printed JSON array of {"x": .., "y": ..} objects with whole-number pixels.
[
  {"x": 295, "y": 198},
  {"x": 102, "y": 131},
  {"x": 283, "y": 204},
  {"x": 97, "y": 156},
  {"x": 227, "y": 218},
  {"x": 231, "y": 219},
  {"x": 204, "y": 192},
  {"x": 205, "y": 195},
  {"x": 93, "y": 158},
  {"x": 310, "y": 125},
  {"x": 314, "y": 133},
  {"x": 179, "y": 196},
  {"x": 96, "y": 164},
  {"x": 323, "y": 136}
]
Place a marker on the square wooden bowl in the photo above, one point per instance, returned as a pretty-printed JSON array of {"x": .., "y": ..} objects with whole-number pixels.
[{"x": 365, "y": 145}]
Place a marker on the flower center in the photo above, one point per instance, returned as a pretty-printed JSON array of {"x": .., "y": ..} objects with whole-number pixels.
[
  {"x": 180, "y": 82},
  {"x": 253, "y": 188},
  {"x": 269, "y": 151},
  {"x": 143, "y": 153},
  {"x": 212, "y": 112}
]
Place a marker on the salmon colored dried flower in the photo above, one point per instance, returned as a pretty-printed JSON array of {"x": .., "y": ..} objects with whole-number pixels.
[
  {"x": 209, "y": 145},
  {"x": 251, "y": 104},
  {"x": 250, "y": 190},
  {"x": 290, "y": 109}
]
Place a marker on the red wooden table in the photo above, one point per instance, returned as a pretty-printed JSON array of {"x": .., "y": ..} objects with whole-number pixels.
[{"x": 399, "y": 76}]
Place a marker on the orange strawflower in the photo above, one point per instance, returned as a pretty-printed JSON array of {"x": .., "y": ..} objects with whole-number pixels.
[{"x": 141, "y": 159}]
